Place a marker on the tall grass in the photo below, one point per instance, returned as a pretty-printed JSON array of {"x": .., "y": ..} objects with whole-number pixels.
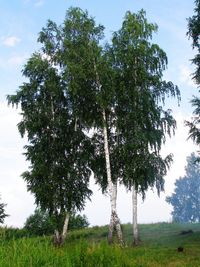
[{"x": 88, "y": 248}]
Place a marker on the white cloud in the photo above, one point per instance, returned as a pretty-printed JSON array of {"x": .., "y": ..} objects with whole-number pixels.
[
  {"x": 10, "y": 41},
  {"x": 12, "y": 61},
  {"x": 186, "y": 76},
  {"x": 16, "y": 60},
  {"x": 36, "y": 3},
  {"x": 39, "y": 3}
]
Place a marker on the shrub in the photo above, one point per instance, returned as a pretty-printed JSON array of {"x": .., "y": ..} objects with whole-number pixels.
[{"x": 40, "y": 223}]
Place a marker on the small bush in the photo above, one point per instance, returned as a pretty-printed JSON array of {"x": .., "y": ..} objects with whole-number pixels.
[
  {"x": 78, "y": 222},
  {"x": 40, "y": 223}
]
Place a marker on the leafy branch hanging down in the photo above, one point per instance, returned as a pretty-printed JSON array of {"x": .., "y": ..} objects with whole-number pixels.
[{"x": 194, "y": 34}]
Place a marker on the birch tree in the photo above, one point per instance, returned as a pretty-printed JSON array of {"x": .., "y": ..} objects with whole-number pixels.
[
  {"x": 142, "y": 121},
  {"x": 69, "y": 93},
  {"x": 91, "y": 87},
  {"x": 57, "y": 148}
]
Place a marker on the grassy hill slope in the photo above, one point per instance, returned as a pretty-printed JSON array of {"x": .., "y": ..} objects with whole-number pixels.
[{"x": 88, "y": 248}]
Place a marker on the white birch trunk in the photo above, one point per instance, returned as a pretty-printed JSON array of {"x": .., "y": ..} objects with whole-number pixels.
[
  {"x": 59, "y": 238},
  {"x": 65, "y": 227},
  {"x": 114, "y": 221},
  {"x": 112, "y": 188},
  {"x": 135, "y": 224},
  {"x": 107, "y": 157}
]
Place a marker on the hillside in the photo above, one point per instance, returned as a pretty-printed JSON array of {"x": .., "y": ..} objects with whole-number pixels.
[{"x": 88, "y": 248}]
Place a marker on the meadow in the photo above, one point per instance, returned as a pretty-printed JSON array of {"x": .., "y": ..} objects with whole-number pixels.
[{"x": 88, "y": 248}]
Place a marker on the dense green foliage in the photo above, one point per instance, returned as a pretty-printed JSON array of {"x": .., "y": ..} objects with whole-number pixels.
[
  {"x": 58, "y": 149},
  {"x": 194, "y": 34},
  {"x": 186, "y": 197},
  {"x": 142, "y": 121},
  {"x": 78, "y": 221},
  {"x": 159, "y": 248},
  {"x": 40, "y": 223}
]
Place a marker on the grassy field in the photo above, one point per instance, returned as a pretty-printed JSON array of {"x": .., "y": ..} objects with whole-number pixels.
[{"x": 88, "y": 248}]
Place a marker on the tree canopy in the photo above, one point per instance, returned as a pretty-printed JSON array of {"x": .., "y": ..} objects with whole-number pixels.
[
  {"x": 142, "y": 122},
  {"x": 58, "y": 149}
]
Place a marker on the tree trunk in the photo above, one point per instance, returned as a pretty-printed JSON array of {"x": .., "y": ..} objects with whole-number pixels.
[
  {"x": 65, "y": 226},
  {"x": 112, "y": 188},
  {"x": 135, "y": 224},
  {"x": 114, "y": 220},
  {"x": 59, "y": 238}
]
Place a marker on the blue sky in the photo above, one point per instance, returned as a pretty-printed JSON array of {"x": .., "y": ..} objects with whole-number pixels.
[{"x": 21, "y": 21}]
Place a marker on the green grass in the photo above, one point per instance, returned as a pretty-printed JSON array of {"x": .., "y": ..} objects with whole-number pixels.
[{"x": 88, "y": 248}]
